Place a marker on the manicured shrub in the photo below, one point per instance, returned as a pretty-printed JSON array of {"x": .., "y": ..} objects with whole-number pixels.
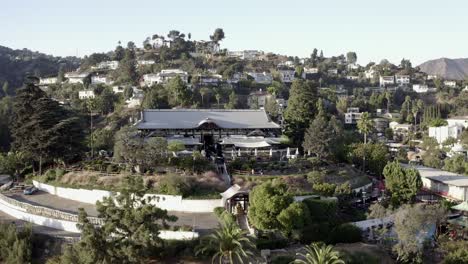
[
  {"x": 283, "y": 260},
  {"x": 271, "y": 243},
  {"x": 315, "y": 232},
  {"x": 322, "y": 210},
  {"x": 345, "y": 233}
]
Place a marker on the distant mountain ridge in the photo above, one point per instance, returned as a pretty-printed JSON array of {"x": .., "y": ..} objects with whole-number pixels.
[{"x": 452, "y": 69}]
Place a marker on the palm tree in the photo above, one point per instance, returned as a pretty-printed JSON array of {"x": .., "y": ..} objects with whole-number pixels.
[
  {"x": 365, "y": 127},
  {"x": 229, "y": 243},
  {"x": 319, "y": 253},
  {"x": 203, "y": 92}
]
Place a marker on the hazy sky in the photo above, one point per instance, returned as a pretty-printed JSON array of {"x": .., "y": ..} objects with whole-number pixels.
[{"x": 375, "y": 29}]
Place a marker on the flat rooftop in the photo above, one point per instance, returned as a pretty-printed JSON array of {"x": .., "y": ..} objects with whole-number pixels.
[{"x": 446, "y": 177}]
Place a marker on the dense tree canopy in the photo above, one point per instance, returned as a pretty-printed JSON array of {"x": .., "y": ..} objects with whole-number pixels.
[{"x": 403, "y": 184}]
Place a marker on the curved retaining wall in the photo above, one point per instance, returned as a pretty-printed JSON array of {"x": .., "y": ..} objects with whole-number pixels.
[
  {"x": 64, "y": 221},
  {"x": 167, "y": 202}
]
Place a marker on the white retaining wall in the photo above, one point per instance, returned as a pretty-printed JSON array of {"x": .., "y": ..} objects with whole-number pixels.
[
  {"x": 167, "y": 202},
  {"x": 20, "y": 213},
  {"x": 70, "y": 226}
]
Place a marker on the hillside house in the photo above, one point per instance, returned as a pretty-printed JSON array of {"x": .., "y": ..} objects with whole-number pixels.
[
  {"x": 136, "y": 99},
  {"x": 209, "y": 79},
  {"x": 286, "y": 75},
  {"x": 370, "y": 73},
  {"x": 164, "y": 76},
  {"x": 245, "y": 54},
  {"x": 159, "y": 42},
  {"x": 86, "y": 94},
  {"x": 145, "y": 62},
  {"x": 352, "y": 116},
  {"x": 261, "y": 77},
  {"x": 402, "y": 80},
  {"x": 443, "y": 133},
  {"x": 458, "y": 121},
  {"x": 386, "y": 81},
  {"x": 309, "y": 73},
  {"x": 423, "y": 88},
  {"x": 332, "y": 71},
  {"x": 48, "y": 81},
  {"x": 76, "y": 77},
  {"x": 108, "y": 65},
  {"x": 100, "y": 79},
  {"x": 451, "y": 84}
]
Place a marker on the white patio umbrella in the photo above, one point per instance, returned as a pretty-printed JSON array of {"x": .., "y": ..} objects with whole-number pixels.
[
  {"x": 271, "y": 152},
  {"x": 232, "y": 153},
  {"x": 297, "y": 151},
  {"x": 255, "y": 151},
  {"x": 288, "y": 152},
  {"x": 239, "y": 153}
]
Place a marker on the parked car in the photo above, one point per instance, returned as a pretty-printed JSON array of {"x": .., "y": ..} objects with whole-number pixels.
[{"x": 30, "y": 190}]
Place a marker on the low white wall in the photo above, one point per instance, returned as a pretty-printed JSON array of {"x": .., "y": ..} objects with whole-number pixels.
[
  {"x": 168, "y": 202},
  {"x": 20, "y": 213},
  {"x": 70, "y": 226},
  {"x": 178, "y": 235}
]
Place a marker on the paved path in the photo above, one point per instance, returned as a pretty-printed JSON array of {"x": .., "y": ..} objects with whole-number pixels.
[{"x": 199, "y": 221}]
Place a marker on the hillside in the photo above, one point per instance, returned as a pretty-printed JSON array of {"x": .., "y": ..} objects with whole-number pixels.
[
  {"x": 453, "y": 69},
  {"x": 14, "y": 64}
]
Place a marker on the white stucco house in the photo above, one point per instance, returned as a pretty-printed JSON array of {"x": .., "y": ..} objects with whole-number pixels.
[
  {"x": 451, "y": 84},
  {"x": 386, "y": 80},
  {"x": 442, "y": 133},
  {"x": 164, "y": 76},
  {"x": 86, "y": 94},
  {"x": 100, "y": 79},
  {"x": 402, "y": 80},
  {"x": 458, "y": 121},
  {"x": 259, "y": 99},
  {"x": 423, "y": 88}
]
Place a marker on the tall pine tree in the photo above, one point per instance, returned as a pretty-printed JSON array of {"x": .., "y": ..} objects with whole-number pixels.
[{"x": 44, "y": 130}]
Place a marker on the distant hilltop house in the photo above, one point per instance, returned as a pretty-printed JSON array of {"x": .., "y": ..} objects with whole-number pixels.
[
  {"x": 352, "y": 116},
  {"x": 145, "y": 62},
  {"x": 451, "y": 84},
  {"x": 236, "y": 77},
  {"x": 287, "y": 75},
  {"x": 48, "y": 81},
  {"x": 158, "y": 42},
  {"x": 309, "y": 72},
  {"x": 86, "y": 94},
  {"x": 432, "y": 77},
  {"x": 261, "y": 77},
  {"x": 423, "y": 88},
  {"x": 76, "y": 77},
  {"x": 370, "y": 73},
  {"x": 386, "y": 81},
  {"x": 109, "y": 65},
  {"x": 164, "y": 76},
  {"x": 402, "y": 80},
  {"x": 245, "y": 54},
  {"x": 100, "y": 79},
  {"x": 118, "y": 89},
  {"x": 353, "y": 66}
]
